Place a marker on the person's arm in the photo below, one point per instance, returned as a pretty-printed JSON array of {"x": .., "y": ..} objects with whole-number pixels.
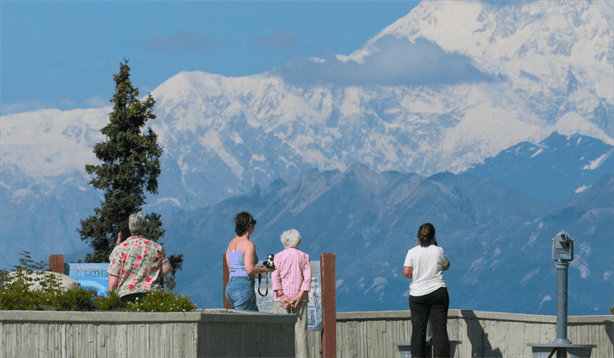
[
  {"x": 113, "y": 282},
  {"x": 166, "y": 270},
  {"x": 408, "y": 266},
  {"x": 445, "y": 263},
  {"x": 114, "y": 268},
  {"x": 408, "y": 271},
  {"x": 250, "y": 266},
  {"x": 305, "y": 284},
  {"x": 297, "y": 299},
  {"x": 284, "y": 299},
  {"x": 163, "y": 259},
  {"x": 276, "y": 282}
]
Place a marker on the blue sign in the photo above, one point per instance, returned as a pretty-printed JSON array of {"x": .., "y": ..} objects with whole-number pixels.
[{"x": 91, "y": 275}]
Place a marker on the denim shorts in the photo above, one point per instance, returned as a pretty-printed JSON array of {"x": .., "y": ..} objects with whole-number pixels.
[{"x": 240, "y": 293}]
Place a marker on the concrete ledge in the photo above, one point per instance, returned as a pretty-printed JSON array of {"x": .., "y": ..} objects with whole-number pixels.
[
  {"x": 203, "y": 333},
  {"x": 480, "y": 334},
  {"x": 468, "y": 314},
  {"x": 372, "y": 315},
  {"x": 589, "y": 319},
  {"x": 214, "y": 315}
]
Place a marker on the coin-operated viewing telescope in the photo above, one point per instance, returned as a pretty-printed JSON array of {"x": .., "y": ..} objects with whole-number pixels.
[
  {"x": 562, "y": 244},
  {"x": 562, "y": 255}
]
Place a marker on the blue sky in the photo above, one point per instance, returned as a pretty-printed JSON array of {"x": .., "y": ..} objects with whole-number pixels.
[{"x": 57, "y": 54}]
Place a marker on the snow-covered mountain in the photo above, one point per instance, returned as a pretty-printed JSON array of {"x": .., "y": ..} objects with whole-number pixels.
[
  {"x": 551, "y": 170},
  {"x": 444, "y": 88}
]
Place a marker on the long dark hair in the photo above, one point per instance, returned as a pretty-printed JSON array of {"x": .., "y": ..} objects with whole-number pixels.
[
  {"x": 243, "y": 221},
  {"x": 426, "y": 235}
]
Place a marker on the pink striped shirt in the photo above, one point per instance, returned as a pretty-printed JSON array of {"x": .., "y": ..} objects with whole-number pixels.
[{"x": 292, "y": 274}]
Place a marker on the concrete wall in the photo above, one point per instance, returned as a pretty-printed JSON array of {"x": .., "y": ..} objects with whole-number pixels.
[
  {"x": 481, "y": 334},
  {"x": 209, "y": 333},
  {"x": 228, "y": 333}
]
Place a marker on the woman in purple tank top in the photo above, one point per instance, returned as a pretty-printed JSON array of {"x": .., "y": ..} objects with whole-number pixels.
[{"x": 241, "y": 260}]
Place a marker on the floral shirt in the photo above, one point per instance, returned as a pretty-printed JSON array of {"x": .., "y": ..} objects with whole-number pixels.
[{"x": 138, "y": 262}]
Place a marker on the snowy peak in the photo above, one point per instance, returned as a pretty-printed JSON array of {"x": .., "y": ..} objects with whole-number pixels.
[
  {"x": 579, "y": 30},
  {"x": 554, "y": 59},
  {"x": 551, "y": 170},
  {"x": 451, "y": 86}
]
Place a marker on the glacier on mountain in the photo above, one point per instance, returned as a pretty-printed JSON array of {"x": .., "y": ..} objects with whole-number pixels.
[{"x": 535, "y": 68}]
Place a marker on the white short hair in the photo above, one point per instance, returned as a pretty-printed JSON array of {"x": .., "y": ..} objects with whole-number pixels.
[
  {"x": 291, "y": 238},
  {"x": 137, "y": 223}
]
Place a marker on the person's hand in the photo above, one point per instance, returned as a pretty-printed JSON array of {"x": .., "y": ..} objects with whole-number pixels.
[
  {"x": 296, "y": 300},
  {"x": 285, "y": 301},
  {"x": 119, "y": 238}
]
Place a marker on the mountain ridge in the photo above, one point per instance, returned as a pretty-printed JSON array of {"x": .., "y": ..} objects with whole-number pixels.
[
  {"x": 361, "y": 224},
  {"x": 408, "y": 112}
]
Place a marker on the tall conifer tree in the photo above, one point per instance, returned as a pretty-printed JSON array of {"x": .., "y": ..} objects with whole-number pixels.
[{"x": 130, "y": 165}]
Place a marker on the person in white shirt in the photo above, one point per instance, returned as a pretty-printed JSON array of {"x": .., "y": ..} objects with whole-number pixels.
[{"x": 428, "y": 293}]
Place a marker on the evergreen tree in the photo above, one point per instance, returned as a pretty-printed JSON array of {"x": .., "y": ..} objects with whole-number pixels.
[{"x": 130, "y": 165}]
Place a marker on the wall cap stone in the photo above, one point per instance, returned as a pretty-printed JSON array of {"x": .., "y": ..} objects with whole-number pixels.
[
  {"x": 213, "y": 315},
  {"x": 469, "y": 314}
]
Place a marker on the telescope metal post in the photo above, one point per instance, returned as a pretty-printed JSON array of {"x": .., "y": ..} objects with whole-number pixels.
[
  {"x": 561, "y": 244},
  {"x": 561, "y": 306}
]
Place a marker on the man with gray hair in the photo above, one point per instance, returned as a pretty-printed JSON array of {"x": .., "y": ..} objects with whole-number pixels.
[
  {"x": 291, "y": 284},
  {"x": 137, "y": 265}
]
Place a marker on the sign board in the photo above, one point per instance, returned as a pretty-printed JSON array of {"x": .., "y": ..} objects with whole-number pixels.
[
  {"x": 90, "y": 275},
  {"x": 314, "y": 307}
]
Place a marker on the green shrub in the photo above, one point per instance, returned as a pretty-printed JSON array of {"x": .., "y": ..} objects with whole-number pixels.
[
  {"x": 17, "y": 294},
  {"x": 110, "y": 302},
  {"x": 76, "y": 299},
  {"x": 160, "y": 301}
]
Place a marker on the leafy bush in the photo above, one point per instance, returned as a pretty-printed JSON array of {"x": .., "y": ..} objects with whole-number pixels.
[
  {"x": 16, "y": 293},
  {"x": 160, "y": 301},
  {"x": 110, "y": 302}
]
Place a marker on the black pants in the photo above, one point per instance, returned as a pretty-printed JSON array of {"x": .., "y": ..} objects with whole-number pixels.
[{"x": 434, "y": 306}]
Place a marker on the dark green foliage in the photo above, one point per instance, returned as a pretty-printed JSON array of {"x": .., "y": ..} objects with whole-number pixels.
[
  {"x": 176, "y": 262},
  {"x": 110, "y": 302},
  {"x": 160, "y": 301},
  {"x": 16, "y": 294},
  {"x": 27, "y": 263},
  {"x": 130, "y": 165},
  {"x": 76, "y": 299}
]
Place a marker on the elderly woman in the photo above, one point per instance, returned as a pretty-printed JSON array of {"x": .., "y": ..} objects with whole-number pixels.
[
  {"x": 241, "y": 259},
  {"x": 137, "y": 265},
  {"x": 291, "y": 283},
  {"x": 428, "y": 294}
]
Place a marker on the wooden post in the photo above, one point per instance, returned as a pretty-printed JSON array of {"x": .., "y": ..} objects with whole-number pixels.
[
  {"x": 329, "y": 306},
  {"x": 226, "y": 277},
  {"x": 56, "y": 263}
]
